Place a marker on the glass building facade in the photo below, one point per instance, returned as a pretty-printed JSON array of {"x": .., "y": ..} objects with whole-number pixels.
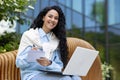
[
  {"x": 82, "y": 15},
  {"x": 76, "y": 13}
]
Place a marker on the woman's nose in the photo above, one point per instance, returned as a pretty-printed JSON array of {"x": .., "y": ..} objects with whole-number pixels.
[{"x": 53, "y": 19}]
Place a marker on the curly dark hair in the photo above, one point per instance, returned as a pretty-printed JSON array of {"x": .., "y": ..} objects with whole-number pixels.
[{"x": 59, "y": 30}]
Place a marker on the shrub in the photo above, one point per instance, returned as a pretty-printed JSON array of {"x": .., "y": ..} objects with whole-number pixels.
[
  {"x": 9, "y": 42},
  {"x": 106, "y": 70}
]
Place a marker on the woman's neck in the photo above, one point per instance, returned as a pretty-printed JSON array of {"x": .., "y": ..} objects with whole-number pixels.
[{"x": 46, "y": 30}]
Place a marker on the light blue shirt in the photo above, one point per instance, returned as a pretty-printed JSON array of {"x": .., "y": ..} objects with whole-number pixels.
[{"x": 30, "y": 69}]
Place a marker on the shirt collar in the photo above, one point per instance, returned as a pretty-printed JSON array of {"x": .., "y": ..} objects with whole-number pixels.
[{"x": 42, "y": 33}]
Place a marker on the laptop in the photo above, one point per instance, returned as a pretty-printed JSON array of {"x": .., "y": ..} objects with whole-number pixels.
[{"x": 79, "y": 63}]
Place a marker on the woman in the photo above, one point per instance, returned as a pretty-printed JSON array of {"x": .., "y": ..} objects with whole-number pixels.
[{"x": 47, "y": 33}]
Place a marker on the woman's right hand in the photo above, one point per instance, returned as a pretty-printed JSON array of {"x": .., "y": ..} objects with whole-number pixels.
[{"x": 44, "y": 61}]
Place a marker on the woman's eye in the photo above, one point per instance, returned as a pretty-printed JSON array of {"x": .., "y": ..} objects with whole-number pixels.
[
  {"x": 50, "y": 16},
  {"x": 56, "y": 18}
]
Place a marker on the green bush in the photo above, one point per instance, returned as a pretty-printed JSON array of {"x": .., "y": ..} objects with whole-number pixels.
[{"x": 9, "y": 42}]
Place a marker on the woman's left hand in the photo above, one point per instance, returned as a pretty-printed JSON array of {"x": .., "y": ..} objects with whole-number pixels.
[{"x": 44, "y": 61}]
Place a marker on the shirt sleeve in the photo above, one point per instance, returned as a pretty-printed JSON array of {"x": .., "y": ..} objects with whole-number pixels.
[
  {"x": 24, "y": 46},
  {"x": 21, "y": 61}
]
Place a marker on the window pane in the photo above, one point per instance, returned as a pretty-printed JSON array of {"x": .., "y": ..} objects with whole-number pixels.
[
  {"x": 77, "y": 5},
  {"x": 68, "y": 18},
  {"x": 77, "y": 19}
]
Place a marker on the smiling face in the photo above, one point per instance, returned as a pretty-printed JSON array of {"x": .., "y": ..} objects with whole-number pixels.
[{"x": 50, "y": 20}]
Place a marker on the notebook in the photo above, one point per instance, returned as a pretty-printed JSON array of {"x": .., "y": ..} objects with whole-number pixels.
[
  {"x": 33, "y": 55},
  {"x": 79, "y": 63}
]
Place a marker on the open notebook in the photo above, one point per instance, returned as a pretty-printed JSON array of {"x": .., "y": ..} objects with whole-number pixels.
[
  {"x": 79, "y": 63},
  {"x": 34, "y": 54}
]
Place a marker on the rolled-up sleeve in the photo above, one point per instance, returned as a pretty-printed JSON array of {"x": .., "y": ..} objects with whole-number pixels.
[{"x": 21, "y": 61}]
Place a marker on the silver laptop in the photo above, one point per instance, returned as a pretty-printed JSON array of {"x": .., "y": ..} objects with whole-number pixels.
[{"x": 80, "y": 62}]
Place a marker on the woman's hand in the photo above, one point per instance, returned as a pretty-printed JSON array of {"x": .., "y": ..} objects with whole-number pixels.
[{"x": 44, "y": 61}]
